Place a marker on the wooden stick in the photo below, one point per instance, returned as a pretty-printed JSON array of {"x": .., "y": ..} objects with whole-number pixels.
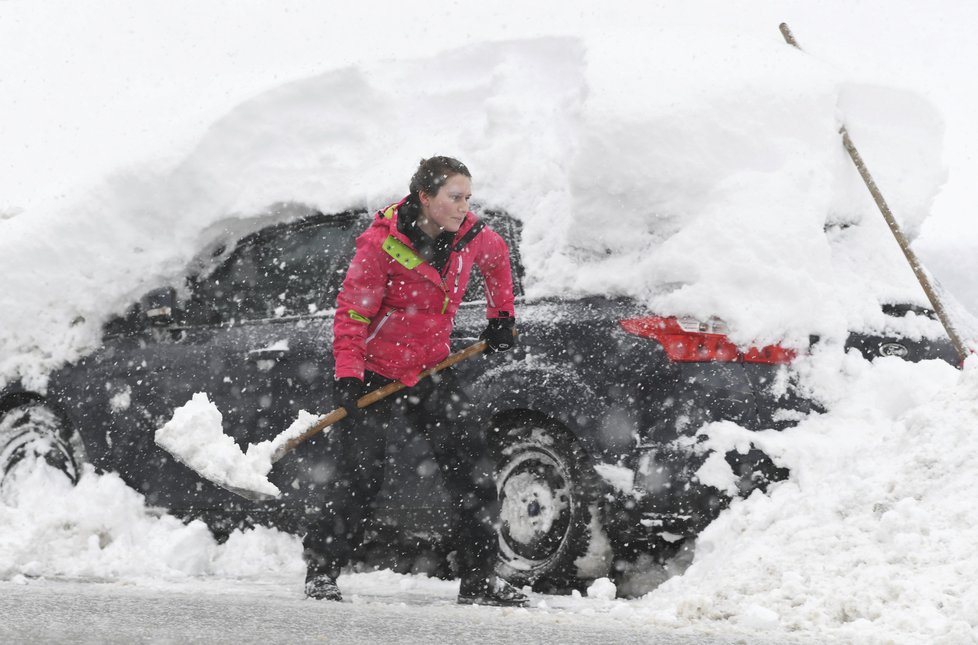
[
  {"x": 372, "y": 397},
  {"x": 788, "y": 36},
  {"x": 901, "y": 239}
]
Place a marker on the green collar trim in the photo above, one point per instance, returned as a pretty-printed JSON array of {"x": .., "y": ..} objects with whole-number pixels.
[{"x": 402, "y": 253}]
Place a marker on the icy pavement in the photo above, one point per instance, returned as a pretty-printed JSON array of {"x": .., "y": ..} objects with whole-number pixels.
[{"x": 43, "y": 611}]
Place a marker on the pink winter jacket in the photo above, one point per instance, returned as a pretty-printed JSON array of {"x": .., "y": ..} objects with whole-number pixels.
[{"x": 395, "y": 312}]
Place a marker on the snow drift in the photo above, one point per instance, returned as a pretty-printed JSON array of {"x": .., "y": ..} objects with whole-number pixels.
[{"x": 708, "y": 196}]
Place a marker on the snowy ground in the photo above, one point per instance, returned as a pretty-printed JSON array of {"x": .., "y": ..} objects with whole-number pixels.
[
  {"x": 680, "y": 154},
  {"x": 263, "y": 611}
]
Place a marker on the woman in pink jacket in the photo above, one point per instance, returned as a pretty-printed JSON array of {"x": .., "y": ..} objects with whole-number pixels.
[{"x": 394, "y": 317}]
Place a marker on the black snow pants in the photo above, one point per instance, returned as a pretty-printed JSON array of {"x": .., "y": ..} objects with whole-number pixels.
[{"x": 439, "y": 409}]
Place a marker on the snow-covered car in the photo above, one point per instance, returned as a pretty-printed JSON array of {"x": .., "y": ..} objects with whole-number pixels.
[
  {"x": 594, "y": 419},
  {"x": 911, "y": 347}
]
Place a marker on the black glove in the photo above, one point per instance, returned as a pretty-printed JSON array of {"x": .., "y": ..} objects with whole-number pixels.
[
  {"x": 346, "y": 391},
  {"x": 499, "y": 335}
]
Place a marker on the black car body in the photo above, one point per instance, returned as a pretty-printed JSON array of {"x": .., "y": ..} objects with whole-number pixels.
[
  {"x": 911, "y": 348},
  {"x": 593, "y": 418}
]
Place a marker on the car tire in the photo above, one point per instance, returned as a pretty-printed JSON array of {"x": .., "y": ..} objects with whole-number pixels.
[
  {"x": 33, "y": 431},
  {"x": 547, "y": 494}
]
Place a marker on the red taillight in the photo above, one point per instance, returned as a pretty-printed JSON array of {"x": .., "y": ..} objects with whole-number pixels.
[
  {"x": 689, "y": 341},
  {"x": 770, "y": 354}
]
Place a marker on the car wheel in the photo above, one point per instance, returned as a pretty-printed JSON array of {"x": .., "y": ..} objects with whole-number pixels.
[
  {"x": 547, "y": 494},
  {"x": 33, "y": 431}
]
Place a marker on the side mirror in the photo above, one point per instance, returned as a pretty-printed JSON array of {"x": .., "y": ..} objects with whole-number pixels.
[{"x": 160, "y": 306}]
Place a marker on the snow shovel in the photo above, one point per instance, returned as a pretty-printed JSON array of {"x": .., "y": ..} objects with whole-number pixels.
[{"x": 195, "y": 438}]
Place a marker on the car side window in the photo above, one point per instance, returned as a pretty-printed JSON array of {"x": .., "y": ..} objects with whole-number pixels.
[
  {"x": 285, "y": 270},
  {"x": 510, "y": 229},
  {"x": 230, "y": 291},
  {"x": 304, "y": 269}
]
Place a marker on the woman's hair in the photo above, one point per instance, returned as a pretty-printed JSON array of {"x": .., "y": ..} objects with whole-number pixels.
[{"x": 435, "y": 171}]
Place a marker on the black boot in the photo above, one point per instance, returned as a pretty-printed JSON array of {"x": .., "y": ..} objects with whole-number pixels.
[
  {"x": 479, "y": 589},
  {"x": 321, "y": 584}
]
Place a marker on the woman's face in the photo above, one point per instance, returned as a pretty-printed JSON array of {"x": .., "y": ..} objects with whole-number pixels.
[{"x": 446, "y": 210}]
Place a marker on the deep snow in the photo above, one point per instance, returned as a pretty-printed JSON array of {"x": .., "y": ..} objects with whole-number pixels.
[{"x": 688, "y": 158}]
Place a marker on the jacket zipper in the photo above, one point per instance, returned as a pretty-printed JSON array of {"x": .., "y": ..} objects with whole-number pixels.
[
  {"x": 444, "y": 285},
  {"x": 382, "y": 322}
]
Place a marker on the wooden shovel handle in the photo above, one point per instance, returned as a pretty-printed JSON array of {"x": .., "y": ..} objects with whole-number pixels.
[{"x": 372, "y": 397}]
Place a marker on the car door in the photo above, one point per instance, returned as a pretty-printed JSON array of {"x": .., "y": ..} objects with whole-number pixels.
[
  {"x": 291, "y": 368},
  {"x": 148, "y": 366},
  {"x": 253, "y": 332}
]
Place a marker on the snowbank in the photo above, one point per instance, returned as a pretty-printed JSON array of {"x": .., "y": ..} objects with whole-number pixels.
[
  {"x": 872, "y": 538},
  {"x": 707, "y": 196},
  {"x": 101, "y": 529}
]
